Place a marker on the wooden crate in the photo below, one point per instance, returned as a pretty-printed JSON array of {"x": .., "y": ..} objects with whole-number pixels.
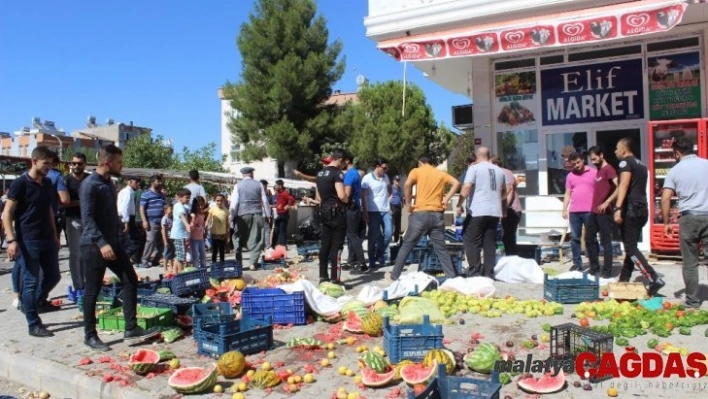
[{"x": 627, "y": 291}]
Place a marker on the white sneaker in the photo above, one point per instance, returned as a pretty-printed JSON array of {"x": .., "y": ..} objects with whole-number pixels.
[{"x": 16, "y": 303}]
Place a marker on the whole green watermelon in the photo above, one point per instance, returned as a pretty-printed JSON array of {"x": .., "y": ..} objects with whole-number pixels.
[{"x": 483, "y": 358}]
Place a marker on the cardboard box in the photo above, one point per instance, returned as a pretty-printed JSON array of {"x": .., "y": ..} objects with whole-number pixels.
[{"x": 627, "y": 291}]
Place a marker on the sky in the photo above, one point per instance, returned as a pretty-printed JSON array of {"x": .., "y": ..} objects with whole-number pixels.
[{"x": 156, "y": 63}]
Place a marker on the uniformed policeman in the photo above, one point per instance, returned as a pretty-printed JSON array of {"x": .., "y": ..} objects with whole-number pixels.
[
  {"x": 687, "y": 181},
  {"x": 631, "y": 212},
  {"x": 250, "y": 211},
  {"x": 333, "y": 200}
]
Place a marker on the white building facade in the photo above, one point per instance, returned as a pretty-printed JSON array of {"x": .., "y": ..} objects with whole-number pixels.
[{"x": 554, "y": 76}]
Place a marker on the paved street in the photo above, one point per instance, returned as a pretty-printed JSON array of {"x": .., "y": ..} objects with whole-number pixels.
[{"x": 53, "y": 364}]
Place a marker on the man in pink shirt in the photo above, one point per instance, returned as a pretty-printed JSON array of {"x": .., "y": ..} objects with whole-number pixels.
[{"x": 577, "y": 204}]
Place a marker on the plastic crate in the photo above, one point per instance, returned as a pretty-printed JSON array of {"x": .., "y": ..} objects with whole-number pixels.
[
  {"x": 101, "y": 304},
  {"x": 431, "y": 262},
  {"x": 453, "y": 235},
  {"x": 416, "y": 255},
  {"x": 74, "y": 295},
  {"x": 271, "y": 264},
  {"x": 115, "y": 290},
  {"x": 308, "y": 249},
  {"x": 190, "y": 282},
  {"x": 211, "y": 314},
  {"x": 178, "y": 305},
  {"x": 450, "y": 387},
  {"x": 388, "y": 300},
  {"x": 250, "y": 336},
  {"x": 569, "y": 340},
  {"x": 411, "y": 341},
  {"x": 572, "y": 290},
  {"x": 274, "y": 304},
  {"x": 225, "y": 270},
  {"x": 147, "y": 318}
]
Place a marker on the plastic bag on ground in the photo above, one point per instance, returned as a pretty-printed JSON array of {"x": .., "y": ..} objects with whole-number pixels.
[
  {"x": 482, "y": 287},
  {"x": 369, "y": 294},
  {"x": 412, "y": 309},
  {"x": 320, "y": 303},
  {"x": 514, "y": 269}
]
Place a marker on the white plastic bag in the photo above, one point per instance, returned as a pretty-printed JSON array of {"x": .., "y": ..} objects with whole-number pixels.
[
  {"x": 482, "y": 287},
  {"x": 514, "y": 269},
  {"x": 320, "y": 303}
]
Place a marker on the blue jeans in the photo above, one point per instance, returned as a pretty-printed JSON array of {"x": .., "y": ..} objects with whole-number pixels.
[
  {"x": 198, "y": 253},
  {"x": 577, "y": 221},
  {"x": 378, "y": 242},
  {"x": 16, "y": 275},
  {"x": 40, "y": 261}
]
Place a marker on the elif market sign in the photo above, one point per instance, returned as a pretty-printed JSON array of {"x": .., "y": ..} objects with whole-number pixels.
[{"x": 604, "y": 92}]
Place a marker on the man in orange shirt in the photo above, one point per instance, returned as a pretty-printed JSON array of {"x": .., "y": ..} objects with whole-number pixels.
[{"x": 427, "y": 214}]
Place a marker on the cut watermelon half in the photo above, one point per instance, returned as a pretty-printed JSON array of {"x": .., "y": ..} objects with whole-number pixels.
[{"x": 353, "y": 323}]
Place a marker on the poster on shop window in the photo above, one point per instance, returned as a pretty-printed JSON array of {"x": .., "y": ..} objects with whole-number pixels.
[
  {"x": 602, "y": 92},
  {"x": 674, "y": 86},
  {"x": 515, "y": 103}
]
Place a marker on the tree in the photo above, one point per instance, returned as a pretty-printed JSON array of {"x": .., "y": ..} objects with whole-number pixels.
[
  {"x": 201, "y": 159},
  {"x": 288, "y": 72},
  {"x": 464, "y": 147},
  {"x": 380, "y": 129},
  {"x": 147, "y": 152},
  {"x": 91, "y": 154}
]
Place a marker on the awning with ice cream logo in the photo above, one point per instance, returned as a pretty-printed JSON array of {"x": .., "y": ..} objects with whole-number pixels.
[{"x": 620, "y": 21}]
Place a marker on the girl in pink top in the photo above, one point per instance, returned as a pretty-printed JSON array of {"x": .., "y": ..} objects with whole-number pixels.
[{"x": 197, "y": 233}]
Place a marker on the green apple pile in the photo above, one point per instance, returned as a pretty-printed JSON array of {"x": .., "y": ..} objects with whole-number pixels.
[{"x": 452, "y": 303}]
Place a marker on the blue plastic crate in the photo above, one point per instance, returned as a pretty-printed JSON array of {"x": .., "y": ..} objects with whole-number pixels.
[
  {"x": 225, "y": 270},
  {"x": 115, "y": 290},
  {"x": 449, "y": 387},
  {"x": 411, "y": 341},
  {"x": 416, "y": 255},
  {"x": 251, "y": 336},
  {"x": 74, "y": 295},
  {"x": 308, "y": 249},
  {"x": 453, "y": 235},
  {"x": 431, "y": 262},
  {"x": 274, "y": 304},
  {"x": 388, "y": 300},
  {"x": 272, "y": 264},
  {"x": 211, "y": 314},
  {"x": 573, "y": 290},
  {"x": 188, "y": 283},
  {"x": 178, "y": 305}
]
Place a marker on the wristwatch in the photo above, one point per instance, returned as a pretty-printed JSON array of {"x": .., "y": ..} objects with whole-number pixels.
[{"x": 616, "y": 208}]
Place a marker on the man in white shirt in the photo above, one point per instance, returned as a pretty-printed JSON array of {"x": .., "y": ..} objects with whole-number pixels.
[
  {"x": 194, "y": 187},
  {"x": 376, "y": 211},
  {"x": 126, "y": 212}
]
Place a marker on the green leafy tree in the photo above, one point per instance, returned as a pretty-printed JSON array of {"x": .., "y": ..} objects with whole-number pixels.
[
  {"x": 147, "y": 152},
  {"x": 289, "y": 67},
  {"x": 464, "y": 147},
  {"x": 381, "y": 129},
  {"x": 201, "y": 159}
]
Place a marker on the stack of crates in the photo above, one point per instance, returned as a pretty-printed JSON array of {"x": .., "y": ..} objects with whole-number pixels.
[
  {"x": 416, "y": 256},
  {"x": 217, "y": 331},
  {"x": 192, "y": 283}
]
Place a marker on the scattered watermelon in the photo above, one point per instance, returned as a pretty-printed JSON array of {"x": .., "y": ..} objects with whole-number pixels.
[
  {"x": 193, "y": 379},
  {"x": 546, "y": 384},
  {"x": 372, "y": 379},
  {"x": 184, "y": 321},
  {"x": 417, "y": 373},
  {"x": 353, "y": 323},
  {"x": 144, "y": 361}
]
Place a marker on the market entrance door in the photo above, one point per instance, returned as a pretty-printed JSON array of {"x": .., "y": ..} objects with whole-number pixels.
[{"x": 607, "y": 140}]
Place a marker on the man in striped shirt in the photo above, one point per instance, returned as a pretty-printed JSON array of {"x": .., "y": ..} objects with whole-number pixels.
[{"x": 152, "y": 204}]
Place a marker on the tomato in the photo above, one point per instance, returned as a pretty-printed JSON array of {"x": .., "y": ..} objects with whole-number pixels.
[
  {"x": 605, "y": 293},
  {"x": 667, "y": 305},
  {"x": 680, "y": 313},
  {"x": 418, "y": 389},
  {"x": 669, "y": 326},
  {"x": 584, "y": 322}
]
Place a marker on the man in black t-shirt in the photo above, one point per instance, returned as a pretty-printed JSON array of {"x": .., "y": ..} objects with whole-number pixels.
[
  {"x": 333, "y": 200},
  {"x": 72, "y": 211},
  {"x": 632, "y": 214}
]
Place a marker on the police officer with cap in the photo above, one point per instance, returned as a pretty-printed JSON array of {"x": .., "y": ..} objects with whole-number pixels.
[
  {"x": 333, "y": 204},
  {"x": 631, "y": 212},
  {"x": 687, "y": 181},
  {"x": 250, "y": 211}
]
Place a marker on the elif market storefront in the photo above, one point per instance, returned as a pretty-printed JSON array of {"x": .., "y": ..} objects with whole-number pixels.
[{"x": 548, "y": 86}]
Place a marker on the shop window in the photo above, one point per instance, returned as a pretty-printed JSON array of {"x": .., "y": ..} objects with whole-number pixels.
[
  {"x": 558, "y": 147},
  {"x": 553, "y": 59},
  {"x": 519, "y": 153},
  {"x": 673, "y": 44},
  {"x": 605, "y": 53},
  {"x": 514, "y": 64}
]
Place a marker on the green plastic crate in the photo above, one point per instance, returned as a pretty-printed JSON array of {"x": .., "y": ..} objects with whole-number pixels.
[
  {"x": 114, "y": 320},
  {"x": 101, "y": 304}
]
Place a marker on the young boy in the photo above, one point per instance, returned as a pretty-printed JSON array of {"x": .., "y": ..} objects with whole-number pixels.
[
  {"x": 169, "y": 254},
  {"x": 180, "y": 229}
]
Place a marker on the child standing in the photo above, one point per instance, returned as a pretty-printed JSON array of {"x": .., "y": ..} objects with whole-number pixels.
[
  {"x": 197, "y": 234},
  {"x": 169, "y": 253},
  {"x": 180, "y": 229},
  {"x": 218, "y": 219}
]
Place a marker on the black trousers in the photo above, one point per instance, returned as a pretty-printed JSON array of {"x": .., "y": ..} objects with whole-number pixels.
[
  {"x": 280, "y": 236},
  {"x": 481, "y": 233},
  {"x": 634, "y": 216},
  {"x": 356, "y": 228},
  {"x": 604, "y": 224},
  {"x": 95, "y": 269},
  {"x": 334, "y": 227},
  {"x": 510, "y": 224},
  {"x": 218, "y": 247},
  {"x": 396, "y": 211}
]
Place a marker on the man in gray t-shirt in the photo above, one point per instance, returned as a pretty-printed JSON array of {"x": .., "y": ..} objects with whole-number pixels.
[
  {"x": 687, "y": 181},
  {"x": 486, "y": 183}
]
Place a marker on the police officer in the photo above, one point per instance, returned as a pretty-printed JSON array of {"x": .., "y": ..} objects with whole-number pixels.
[
  {"x": 687, "y": 180},
  {"x": 250, "y": 212},
  {"x": 333, "y": 202},
  {"x": 631, "y": 212}
]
